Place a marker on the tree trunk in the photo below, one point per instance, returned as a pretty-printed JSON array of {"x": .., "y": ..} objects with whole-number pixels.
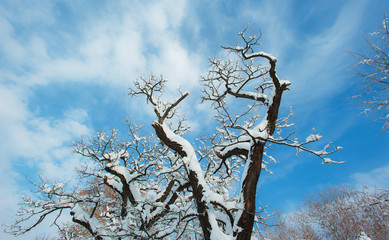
[
  {"x": 201, "y": 205},
  {"x": 249, "y": 189},
  {"x": 193, "y": 180}
]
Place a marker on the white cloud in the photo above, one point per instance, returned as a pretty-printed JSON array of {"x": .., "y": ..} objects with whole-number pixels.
[
  {"x": 112, "y": 50},
  {"x": 11, "y": 48},
  {"x": 35, "y": 139},
  {"x": 35, "y": 143},
  {"x": 180, "y": 67},
  {"x": 378, "y": 177},
  {"x": 163, "y": 16},
  {"x": 78, "y": 114}
]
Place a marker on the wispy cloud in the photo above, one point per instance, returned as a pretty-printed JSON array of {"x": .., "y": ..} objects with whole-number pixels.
[
  {"x": 378, "y": 177},
  {"x": 306, "y": 59},
  {"x": 29, "y": 143}
]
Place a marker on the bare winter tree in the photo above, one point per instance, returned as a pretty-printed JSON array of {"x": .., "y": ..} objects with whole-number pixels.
[
  {"x": 338, "y": 212},
  {"x": 372, "y": 68},
  {"x": 165, "y": 187}
]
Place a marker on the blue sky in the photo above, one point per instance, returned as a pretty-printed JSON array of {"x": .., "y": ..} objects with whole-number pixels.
[{"x": 66, "y": 66}]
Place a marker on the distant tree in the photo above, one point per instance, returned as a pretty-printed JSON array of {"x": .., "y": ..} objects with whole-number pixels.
[
  {"x": 73, "y": 231},
  {"x": 372, "y": 68},
  {"x": 163, "y": 186},
  {"x": 337, "y": 213}
]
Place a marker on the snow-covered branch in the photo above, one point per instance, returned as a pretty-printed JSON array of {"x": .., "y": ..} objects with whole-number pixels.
[{"x": 372, "y": 75}]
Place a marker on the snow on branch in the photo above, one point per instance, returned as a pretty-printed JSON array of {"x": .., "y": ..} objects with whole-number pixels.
[
  {"x": 372, "y": 75},
  {"x": 153, "y": 88}
]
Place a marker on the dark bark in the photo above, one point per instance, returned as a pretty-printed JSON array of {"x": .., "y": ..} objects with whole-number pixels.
[
  {"x": 249, "y": 189},
  {"x": 87, "y": 226},
  {"x": 172, "y": 199},
  {"x": 126, "y": 193},
  {"x": 193, "y": 181},
  {"x": 233, "y": 152},
  {"x": 201, "y": 205}
]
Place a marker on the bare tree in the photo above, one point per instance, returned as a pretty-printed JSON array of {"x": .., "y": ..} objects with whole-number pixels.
[
  {"x": 170, "y": 188},
  {"x": 372, "y": 68},
  {"x": 278, "y": 228},
  {"x": 339, "y": 213}
]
